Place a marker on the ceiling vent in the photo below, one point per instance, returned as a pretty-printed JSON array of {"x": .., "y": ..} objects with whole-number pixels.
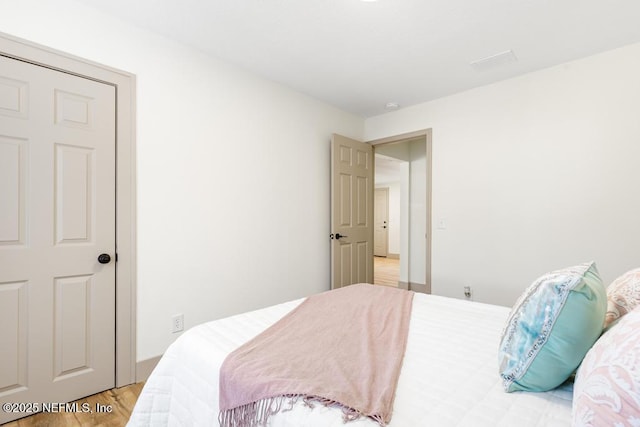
[{"x": 494, "y": 61}]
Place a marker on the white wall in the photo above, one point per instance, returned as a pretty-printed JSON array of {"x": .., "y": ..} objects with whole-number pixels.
[
  {"x": 233, "y": 172},
  {"x": 417, "y": 211},
  {"x": 532, "y": 174},
  {"x": 394, "y": 217}
]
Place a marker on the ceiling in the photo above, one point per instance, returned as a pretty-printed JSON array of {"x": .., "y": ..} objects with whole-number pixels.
[{"x": 360, "y": 55}]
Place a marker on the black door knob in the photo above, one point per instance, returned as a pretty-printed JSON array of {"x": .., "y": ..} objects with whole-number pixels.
[
  {"x": 339, "y": 236},
  {"x": 104, "y": 259}
]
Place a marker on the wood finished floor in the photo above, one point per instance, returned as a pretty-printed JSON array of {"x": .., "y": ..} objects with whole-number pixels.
[
  {"x": 121, "y": 401},
  {"x": 386, "y": 271}
]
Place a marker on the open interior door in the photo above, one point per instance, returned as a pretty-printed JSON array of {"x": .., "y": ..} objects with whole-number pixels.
[{"x": 351, "y": 212}]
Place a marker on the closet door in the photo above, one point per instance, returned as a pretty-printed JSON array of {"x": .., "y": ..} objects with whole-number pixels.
[{"x": 57, "y": 217}]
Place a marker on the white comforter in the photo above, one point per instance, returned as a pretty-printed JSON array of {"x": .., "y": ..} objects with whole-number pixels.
[{"x": 449, "y": 376}]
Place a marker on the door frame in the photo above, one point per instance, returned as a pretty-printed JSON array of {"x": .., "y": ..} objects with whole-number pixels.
[
  {"x": 426, "y": 133},
  {"x": 124, "y": 83}
]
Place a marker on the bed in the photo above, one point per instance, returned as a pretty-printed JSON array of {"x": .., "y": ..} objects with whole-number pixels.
[{"x": 449, "y": 375}]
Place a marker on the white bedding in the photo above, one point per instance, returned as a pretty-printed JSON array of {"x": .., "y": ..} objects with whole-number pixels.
[{"x": 449, "y": 375}]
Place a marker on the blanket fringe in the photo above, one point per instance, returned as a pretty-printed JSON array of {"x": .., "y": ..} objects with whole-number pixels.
[{"x": 257, "y": 413}]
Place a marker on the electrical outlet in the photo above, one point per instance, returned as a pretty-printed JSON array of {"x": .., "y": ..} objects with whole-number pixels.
[
  {"x": 467, "y": 292},
  {"x": 177, "y": 323}
]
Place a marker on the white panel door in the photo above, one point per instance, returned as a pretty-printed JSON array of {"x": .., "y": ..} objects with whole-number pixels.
[
  {"x": 57, "y": 215},
  {"x": 381, "y": 222},
  {"x": 351, "y": 212}
]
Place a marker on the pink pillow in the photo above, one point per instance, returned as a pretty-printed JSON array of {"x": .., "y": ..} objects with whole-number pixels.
[
  {"x": 607, "y": 387},
  {"x": 623, "y": 295}
]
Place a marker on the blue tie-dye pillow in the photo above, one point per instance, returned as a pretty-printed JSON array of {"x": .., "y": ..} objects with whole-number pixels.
[{"x": 551, "y": 327}]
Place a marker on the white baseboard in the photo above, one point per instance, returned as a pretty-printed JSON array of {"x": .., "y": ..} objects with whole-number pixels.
[
  {"x": 145, "y": 367},
  {"x": 416, "y": 287}
]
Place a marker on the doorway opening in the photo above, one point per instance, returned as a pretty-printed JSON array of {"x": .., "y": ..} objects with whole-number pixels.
[
  {"x": 388, "y": 179},
  {"x": 403, "y": 168}
]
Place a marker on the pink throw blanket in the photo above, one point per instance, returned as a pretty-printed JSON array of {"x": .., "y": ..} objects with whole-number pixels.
[{"x": 343, "y": 347}]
